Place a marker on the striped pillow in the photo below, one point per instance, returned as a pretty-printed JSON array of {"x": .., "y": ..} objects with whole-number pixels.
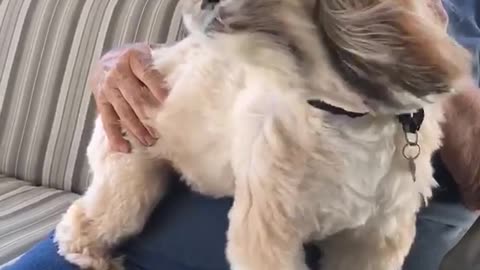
[{"x": 47, "y": 48}]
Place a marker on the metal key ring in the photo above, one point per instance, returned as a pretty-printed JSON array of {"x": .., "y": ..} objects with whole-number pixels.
[{"x": 415, "y": 146}]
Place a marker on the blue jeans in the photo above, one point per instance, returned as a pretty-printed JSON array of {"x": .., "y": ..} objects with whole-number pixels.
[
  {"x": 171, "y": 242},
  {"x": 464, "y": 26}
]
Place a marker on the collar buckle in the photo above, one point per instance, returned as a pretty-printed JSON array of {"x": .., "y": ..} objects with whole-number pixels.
[{"x": 411, "y": 124}]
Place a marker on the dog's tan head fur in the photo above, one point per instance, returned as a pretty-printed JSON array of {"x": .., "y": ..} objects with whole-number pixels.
[
  {"x": 399, "y": 45},
  {"x": 394, "y": 54}
]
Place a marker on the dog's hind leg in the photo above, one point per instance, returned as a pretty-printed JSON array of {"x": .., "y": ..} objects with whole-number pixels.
[
  {"x": 381, "y": 244},
  {"x": 124, "y": 191},
  {"x": 268, "y": 164}
]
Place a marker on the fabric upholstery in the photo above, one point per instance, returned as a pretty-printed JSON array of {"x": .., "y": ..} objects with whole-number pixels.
[
  {"x": 47, "y": 48},
  {"x": 27, "y": 214}
]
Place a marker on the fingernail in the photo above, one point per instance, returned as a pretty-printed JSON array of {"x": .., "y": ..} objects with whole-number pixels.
[
  {"x": 149, "y": 141},
  {"x": 153, "y": 132}
]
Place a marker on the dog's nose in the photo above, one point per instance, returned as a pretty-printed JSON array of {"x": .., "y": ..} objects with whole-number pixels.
[{"x": 208, "y": 4}]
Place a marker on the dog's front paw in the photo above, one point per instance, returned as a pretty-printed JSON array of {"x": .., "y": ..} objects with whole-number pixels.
[{"x": 78, "y": 244}]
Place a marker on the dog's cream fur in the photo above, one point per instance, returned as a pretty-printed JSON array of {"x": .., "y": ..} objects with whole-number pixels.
[{"x": 237, "y": 123}]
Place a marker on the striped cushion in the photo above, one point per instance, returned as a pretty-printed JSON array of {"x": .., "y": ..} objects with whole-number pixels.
[
  {"x": 27, "y": 214},
  {"x": 47, "y": 48}
]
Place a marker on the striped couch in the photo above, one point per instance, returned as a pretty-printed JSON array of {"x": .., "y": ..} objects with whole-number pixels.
[{"x": 47, "y": 48}]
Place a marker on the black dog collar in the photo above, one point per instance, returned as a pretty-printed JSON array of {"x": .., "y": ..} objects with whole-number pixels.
[{"x": 411, "y": 122}]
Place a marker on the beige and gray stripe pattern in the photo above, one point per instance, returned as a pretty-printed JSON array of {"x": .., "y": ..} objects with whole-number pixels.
[
  {"x": 27, "y": 214},
  {"x": 47, "y": 48}
]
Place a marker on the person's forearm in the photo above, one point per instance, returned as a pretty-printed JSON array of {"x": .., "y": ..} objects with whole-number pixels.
[{"x": 461, "y": 144}]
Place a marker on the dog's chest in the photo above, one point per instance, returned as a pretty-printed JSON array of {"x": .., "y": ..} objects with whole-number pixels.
[
  {"x": 350, "y": 166},
  {"x": 364, "y": 146},
  {"x": 351, "y": 158}
]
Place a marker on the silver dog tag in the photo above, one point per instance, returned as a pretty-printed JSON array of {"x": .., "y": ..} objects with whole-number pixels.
[{"x": 413, "y": 169}]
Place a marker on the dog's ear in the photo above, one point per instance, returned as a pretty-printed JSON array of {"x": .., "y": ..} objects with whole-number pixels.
[{"x": 395, "y": 53}]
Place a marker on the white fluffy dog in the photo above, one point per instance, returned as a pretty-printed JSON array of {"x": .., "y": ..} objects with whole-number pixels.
[{"x": 291, "y": 107}]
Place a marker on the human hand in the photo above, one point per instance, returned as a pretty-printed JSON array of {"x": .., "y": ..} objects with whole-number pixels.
[
  {"x": 438, "y": 11},
  {"x": 125, "y": 84},
  {"x": 461, "y": 151}
]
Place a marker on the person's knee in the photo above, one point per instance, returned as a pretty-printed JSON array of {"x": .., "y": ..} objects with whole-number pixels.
[
  {"x": 440, "y": 226},
  {"x": 466, "y": 254}
]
